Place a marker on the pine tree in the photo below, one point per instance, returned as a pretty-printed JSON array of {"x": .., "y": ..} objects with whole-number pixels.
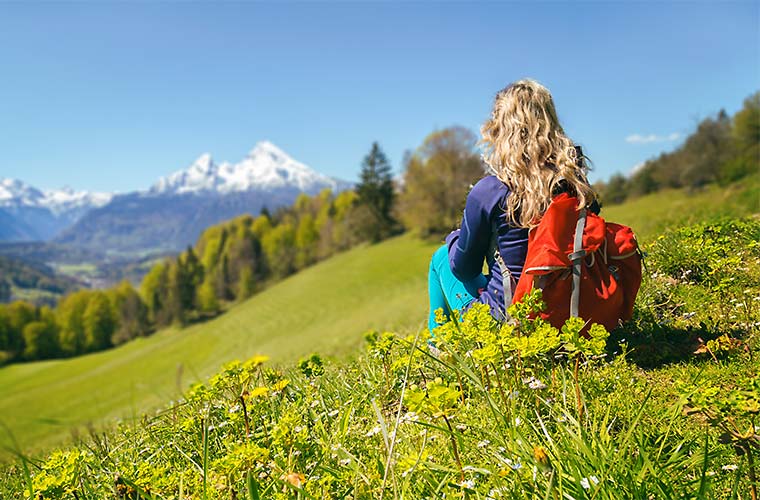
[{"x": 375, "y": 191}]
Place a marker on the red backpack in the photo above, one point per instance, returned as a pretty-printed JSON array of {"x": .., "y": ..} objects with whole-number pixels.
[{"x": 585, "y": 266}]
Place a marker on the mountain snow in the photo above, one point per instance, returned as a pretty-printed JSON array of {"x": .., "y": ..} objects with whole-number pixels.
[
  {"x": 266, "y": 167},
  {"x": 17, "y": 194},
  {"x": 267, "y": 173}
]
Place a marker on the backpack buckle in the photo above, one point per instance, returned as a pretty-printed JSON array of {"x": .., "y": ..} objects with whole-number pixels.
[{"x": 577, "y": 255}]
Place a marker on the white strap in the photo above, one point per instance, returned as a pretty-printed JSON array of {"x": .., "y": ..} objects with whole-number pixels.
[{"x": 577, "y": 258}]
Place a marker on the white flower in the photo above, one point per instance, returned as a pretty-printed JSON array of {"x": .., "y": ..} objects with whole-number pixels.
[
  {"x": 410, "y": 417},
  {"x": 345, "y": 462},
  {"x": 461, "y": 427},
  {"x": 534, "y": 383},
  {"x": 484, "y": 443},
  {"x": 518, "y": 421},
  {"x": 730, "y": 467},
  {"x": 468, "y": 484},
  {"x": 586, "y": 482},
  {"x": 373, "y": 431}
]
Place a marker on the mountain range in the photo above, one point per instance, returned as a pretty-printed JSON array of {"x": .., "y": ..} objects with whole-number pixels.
[{"x": 170, "y": 214}]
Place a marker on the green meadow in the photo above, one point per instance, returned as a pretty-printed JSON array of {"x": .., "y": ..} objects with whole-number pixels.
[{"x": 323, "y": 309}]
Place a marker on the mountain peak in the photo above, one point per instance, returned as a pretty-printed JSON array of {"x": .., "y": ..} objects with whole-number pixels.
[
  {"x": 16, "y": 193},
  {"x": 204, "y": 163},
  {"x": 267, "y": 148},
  {"x": 266, "y": 167}
]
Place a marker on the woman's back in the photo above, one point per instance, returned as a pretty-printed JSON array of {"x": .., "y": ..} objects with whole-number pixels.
[{"x": 485, "y": 229}]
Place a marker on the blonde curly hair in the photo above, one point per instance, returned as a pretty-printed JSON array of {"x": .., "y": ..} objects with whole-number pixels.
[{"x": 527, "y": 149}]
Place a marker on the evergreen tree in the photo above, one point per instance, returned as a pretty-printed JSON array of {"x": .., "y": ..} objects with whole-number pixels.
[{"x": 375, "y": 191}]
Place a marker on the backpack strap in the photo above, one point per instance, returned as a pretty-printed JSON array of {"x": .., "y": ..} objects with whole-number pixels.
[
  {"x": 577, "y": 259},
  {"x": 506, "y": 276}
]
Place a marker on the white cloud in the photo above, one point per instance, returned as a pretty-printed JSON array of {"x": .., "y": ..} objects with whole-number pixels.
[
  {"x": 650, "y": 138},
  {"x": 636, "y": 168}
]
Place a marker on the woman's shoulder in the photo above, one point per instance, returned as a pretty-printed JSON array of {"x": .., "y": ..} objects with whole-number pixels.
[
  {"x": 487, "y": 192},
  {"x": 489, "y": 184}
]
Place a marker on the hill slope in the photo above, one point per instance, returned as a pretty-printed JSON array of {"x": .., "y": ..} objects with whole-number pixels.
[{"x": 324, "y": 308}]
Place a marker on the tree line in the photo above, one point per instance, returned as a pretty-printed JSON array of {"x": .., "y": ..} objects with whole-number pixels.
[
  {"x": 722, "y": 149},
  {"x": 229, "y": 262}
]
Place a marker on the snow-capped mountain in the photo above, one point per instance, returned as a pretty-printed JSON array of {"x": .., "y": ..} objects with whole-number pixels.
[
  {"x": 15, "y": 193},
  {"x": 170, "y": 214},
  {"x": 265, "y": 168},
  {"x": 177, "y": 208},
  {"x": 29, "y": 213}
]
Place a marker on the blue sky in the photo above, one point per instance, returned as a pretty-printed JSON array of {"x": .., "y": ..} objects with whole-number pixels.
[{"x": 110, "y": 96}]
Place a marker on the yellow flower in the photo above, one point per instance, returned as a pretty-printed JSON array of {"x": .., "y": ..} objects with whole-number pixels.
[
  {"x": 259, "y": 392},
  {"x": 539, "y": 453},
  {"x": 294, "y": 478},
  {"x": 256, "y": 361},
  {"x": 280, "y": 385}
]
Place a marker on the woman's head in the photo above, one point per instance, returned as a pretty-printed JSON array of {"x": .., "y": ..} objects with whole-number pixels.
[{"x": 527, "y": 149}]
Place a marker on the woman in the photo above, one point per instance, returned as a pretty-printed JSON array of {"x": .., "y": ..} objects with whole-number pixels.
[{"x": 531, "y": 160}]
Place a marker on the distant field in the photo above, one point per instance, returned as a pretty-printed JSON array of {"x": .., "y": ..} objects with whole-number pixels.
[
  {"x": 325, "y": 309},
  {"x": 36, "y": 295},
  {"x": 651, "y": 214}
]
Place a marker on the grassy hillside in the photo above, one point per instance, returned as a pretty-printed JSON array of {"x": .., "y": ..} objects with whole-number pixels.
[
  {"x": 324, "y": 308},
  {"x": 505, "y": 411},
  {"x": 652, "y": 214}
]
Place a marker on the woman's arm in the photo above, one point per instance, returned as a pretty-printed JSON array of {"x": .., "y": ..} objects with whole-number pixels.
[{"x": 469, "y": 245}]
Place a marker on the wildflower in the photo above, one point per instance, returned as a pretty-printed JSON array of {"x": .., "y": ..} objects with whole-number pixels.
[
  {"x": 373, "y": 431},
  {"x": 259, "y": 392},
  {"x": 586, "y": 482},
  {"x": 345, "y": 462},
  {"x": 469, "y": 484},
  {"x": 730, "y": 467},
  {"x": 461, "y": 427},
  {"x": 534, "y": 383},
  {"x": 484, "y": 443},
  {"x": 539, "y": 453},
  {"x": 518, "y": 421},
  {"x": 294, "y": 478},
  {"x": 410, "y": 416},
  {"x": 257, "y": 360}
]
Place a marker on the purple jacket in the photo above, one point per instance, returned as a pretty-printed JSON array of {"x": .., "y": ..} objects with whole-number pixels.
[{"x": 471, "y": 245}]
